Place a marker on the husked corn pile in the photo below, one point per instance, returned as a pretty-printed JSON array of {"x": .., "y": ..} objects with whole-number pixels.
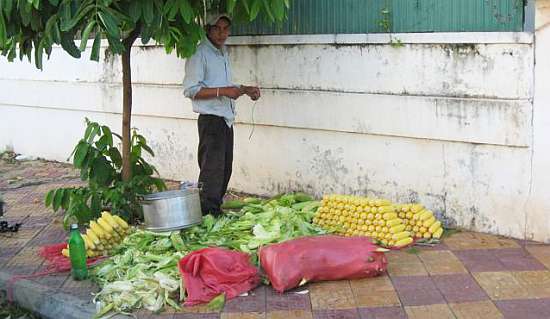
[
  {"x": 103, "y": 235},
  {"x": 363, "y": 216},
  {"x": 420, "y": 221},
  {"x": 392, "y": 225}
]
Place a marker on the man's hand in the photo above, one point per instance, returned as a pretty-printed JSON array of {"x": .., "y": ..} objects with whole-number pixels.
[
  {"x": 231, "y": 92},
  {"x": 252, "y": 91}
]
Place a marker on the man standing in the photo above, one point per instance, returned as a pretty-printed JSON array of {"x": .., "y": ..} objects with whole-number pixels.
[{"x": 209, "y": 85}]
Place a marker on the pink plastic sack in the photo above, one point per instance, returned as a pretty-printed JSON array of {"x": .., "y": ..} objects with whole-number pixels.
[
  {"x": 321, "y": 258},
  {"x": 208, "y": 272}
]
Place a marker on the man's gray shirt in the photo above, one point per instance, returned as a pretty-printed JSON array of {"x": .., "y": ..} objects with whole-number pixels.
[{"x": 209, "y": 67}]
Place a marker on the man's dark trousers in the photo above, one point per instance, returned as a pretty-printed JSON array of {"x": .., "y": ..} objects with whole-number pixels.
[{"x": 215, "y": 161}]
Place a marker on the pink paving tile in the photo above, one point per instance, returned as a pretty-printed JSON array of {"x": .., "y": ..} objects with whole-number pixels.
[
  {"x": 440, "y": 246},
  {"x": 382, "y": 313},
  {"x": 417, "y": 291},
  {"x": 507, "y": 259},
  {"x": 525, "y": 309},
  {"x": 459, "y": 288},
  {"x": 254, "y": 302},
  {"x": 196, "y": 316},
  {"x": 336, "y": 314},
  {"x": 479, "y": 260},
  {"x": 518, "y": 260},
  {"x": 287, "y": 301}
]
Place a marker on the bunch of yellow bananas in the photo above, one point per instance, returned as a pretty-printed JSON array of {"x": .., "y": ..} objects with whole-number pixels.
[
  {"x": 363, "y": 216},
  {"x": 103, "y": 235}
]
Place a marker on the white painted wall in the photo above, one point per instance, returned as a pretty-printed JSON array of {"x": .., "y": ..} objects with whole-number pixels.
[{"x": 447, "y": 119}]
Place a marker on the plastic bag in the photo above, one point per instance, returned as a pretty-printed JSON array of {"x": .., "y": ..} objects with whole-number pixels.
[
  {"x": 320, "y": 258},
  {"x": 208, "y": 272}
]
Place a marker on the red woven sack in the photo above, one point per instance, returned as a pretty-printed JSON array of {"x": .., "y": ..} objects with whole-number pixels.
[
  {"x": 208, "y": 272},
  {"x": 321, "y": 258}
]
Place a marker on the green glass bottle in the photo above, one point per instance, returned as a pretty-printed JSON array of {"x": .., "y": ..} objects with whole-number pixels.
[{"x": 77, "y": 253}]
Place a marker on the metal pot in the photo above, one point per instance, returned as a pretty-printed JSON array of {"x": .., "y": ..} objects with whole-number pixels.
[{"x": 172, "y": 210}]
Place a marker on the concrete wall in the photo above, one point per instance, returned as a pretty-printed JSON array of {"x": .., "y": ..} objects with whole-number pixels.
[{"x": 446, "y": 119}]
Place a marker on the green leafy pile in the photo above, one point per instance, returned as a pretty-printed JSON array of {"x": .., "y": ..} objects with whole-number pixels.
[{"x": 144, "y": 274}]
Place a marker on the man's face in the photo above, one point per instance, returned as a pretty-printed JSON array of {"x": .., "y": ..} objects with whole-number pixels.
[{"x": 219, "y": 32}]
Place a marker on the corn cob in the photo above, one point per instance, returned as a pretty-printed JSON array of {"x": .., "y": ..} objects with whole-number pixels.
[{"x": 110, "y": 220}]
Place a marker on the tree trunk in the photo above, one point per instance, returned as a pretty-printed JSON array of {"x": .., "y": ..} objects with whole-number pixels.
[{"x": 127, "y": 103}]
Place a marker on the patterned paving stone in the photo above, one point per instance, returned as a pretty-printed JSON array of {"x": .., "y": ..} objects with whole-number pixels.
[
  {"x": 417, "y": 290},
  {"x": 286, "y": 301},
  {"x": 336, "y": 314},
  {"x": 541, "y": 253},
  {"x": 459, "y": 288},
  {"x": 196, "y": 316},
  {"x": 289, "y": 314},
  {"x": 438, "y": 311},
  {"x": 242, "y": 315},
  {"x": 331, "y": 295},
  {"x": 501, "y": 285},
  {"x": 382, "y": 313},
  {"x": 441, "y": 262},
  {"x": 537, "y": 283},
  {"x": 402, "y": 263},
  {"x": 25, "y": 262},
  {"x": 479, "y": 260},
  {"x": 525, "y": 309},
  {"x": 468, "y": 240},
  {"x": 254, "y": 302},
  {"x": 476, "y": 310},
  {"x": 374, "y": 292}
]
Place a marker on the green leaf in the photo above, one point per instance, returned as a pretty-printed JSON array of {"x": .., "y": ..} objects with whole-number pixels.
[
  {"x": 186, "y": 11},
  {"x": 65, "y": 10},
  {"x": 171, "y": 9},
  {"x": 36, "y": 4},
  {"x": 231, "y": 6},
  {"x": 66, "y": 198},
  {"x": 268, "y": 10},
  {"x": 80, "y": 154},
  {"x": 278, "y": 7},
  {"x": 3, "y": 35},
  {"x": 148, "y": 11},
  {"x": 86, "y": 35},
  {"x": 101, "y": 171},
  {"x": 68, "y": 25},
  {"x": 110, "y": 23},
  {"x": 7, "y": 6},
  {"x": 54, "y": 2},
  {"x": 67, "y": 43},
  {"x": 115, "y": 45},
  {"x": 94, "y": 56},
  {"x": 115, "y": 156},
  {"x": 107, "y": 132},
  {"x": 135, "y": 10},
  {"x": 255, "y": 9},
  {"x": 94, "y": 130},
  {"x": 49, "y": 198},
  {"x": 58, "y": 198},
  {"x": 38, "y": 52}
]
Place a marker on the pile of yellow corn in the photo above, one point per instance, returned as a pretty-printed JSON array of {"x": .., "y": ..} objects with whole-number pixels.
[
  {"x": 393, "y": 225},
  {"x": 103, "y": 235},
  {"x": 419, "y": 220}
]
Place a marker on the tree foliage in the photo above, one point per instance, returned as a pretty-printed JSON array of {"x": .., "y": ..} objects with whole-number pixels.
[{"x": 31, "y": 27}]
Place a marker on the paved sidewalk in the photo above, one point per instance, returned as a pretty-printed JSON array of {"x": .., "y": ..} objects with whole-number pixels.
[{"x": 470, "y": 275}]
